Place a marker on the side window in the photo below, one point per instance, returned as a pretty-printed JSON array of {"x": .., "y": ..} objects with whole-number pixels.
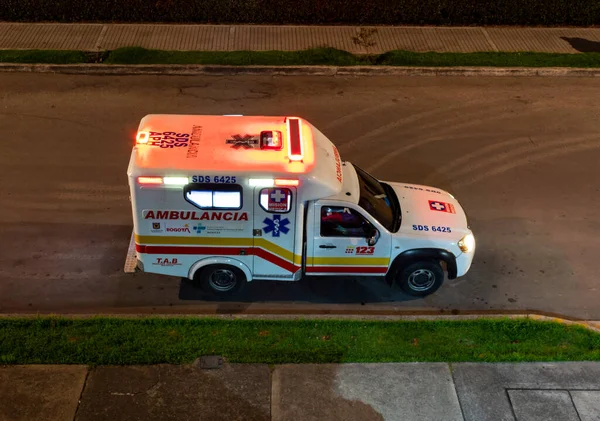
[
  {"x": 276, "y": 200},
  {"x": 214, "y": 196},
  {"x": 343, "y": 222}
]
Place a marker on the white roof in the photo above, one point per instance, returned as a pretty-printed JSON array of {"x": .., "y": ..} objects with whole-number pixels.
[{"x": 187, "y": 145}]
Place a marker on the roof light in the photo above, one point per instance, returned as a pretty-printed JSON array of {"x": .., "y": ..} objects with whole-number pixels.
[
  {"x": 261, "y": 182},
  {"x": 175, "y": 181},
  {"x": 280, "y": 182},
  {"x": 294, "y": 132},
  {"x": 150, "y": 180},
  {"x": 142, "y": 137},
  {"x": 271, "y": 140}
]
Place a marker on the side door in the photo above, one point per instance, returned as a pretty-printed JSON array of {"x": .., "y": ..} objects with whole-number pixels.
[
  {"x": 340, "y": 242},
  {"x": 274, "y": 233}
]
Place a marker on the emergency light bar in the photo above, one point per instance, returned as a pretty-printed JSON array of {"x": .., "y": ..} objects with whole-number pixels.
[
  {"x": 280, "y": 182},
  {"x": 167, "y": 181},
  {"x": 270, "y": 182},
  {"x": 294, "y": 133}
]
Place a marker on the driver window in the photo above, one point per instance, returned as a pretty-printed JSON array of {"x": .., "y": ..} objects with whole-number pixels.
[{"x": 337, "y": 221}]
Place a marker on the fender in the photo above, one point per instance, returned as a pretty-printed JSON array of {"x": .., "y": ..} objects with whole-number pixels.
[
  {"x": 220, "y": 261},
  {"x": 414, "y": 255}
]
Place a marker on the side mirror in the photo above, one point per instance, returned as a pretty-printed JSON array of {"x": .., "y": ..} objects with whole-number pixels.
[{"x": 373, "y": 237}]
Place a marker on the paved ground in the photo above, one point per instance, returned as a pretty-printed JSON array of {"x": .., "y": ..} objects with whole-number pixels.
[
  {"x": 365, "y": 392},
  {"x": 95, "y": 37},
  {"x": 521, "y": 155}
]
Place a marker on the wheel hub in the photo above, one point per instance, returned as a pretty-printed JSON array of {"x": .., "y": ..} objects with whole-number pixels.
[
  {"x": 421, "y": 280},
  {"x": 222, "y": 280}
]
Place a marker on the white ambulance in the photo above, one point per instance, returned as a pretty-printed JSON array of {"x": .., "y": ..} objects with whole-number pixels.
[{"x": 225, "y": 200}]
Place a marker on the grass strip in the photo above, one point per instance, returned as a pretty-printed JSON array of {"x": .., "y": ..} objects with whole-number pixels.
[
  {"x": 489, "y": 59},
  {"x": 317, "y": 56},
  {"x": 43, "y": 56},
  {"x": 97, "y": 341}
]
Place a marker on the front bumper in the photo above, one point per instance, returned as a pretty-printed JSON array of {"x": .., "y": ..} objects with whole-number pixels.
[{"x": 463, "y": 263}]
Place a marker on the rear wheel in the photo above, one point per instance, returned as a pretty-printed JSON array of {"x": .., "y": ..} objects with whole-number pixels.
[
  {"x": 421, "y": 278},
  {"x": 221, "y": 280}
]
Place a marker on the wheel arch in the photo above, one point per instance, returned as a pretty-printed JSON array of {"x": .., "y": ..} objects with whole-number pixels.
[
  {"x": 220, "y": 261},
  {"x": 414, "y": 255}
]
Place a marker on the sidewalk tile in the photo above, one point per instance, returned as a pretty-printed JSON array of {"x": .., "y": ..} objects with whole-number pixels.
[
  {"x": 483, "y": 388},
  {"x": 49, "y": 36},
  {"x": 543, "y": 405},
  {"x": 162, "y": 392},
  {"x": 364, "y": 392},
  {"x": 587, "y": 404},
  {"x": 540, "y": 39},
  {"x": 40, "y": 392}
]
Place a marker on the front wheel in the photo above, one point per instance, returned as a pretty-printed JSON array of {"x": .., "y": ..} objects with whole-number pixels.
[
  {"x": 421, "y": 278},
  {"x": 221, "y": 280}
]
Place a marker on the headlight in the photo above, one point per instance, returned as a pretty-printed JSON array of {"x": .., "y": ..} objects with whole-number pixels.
[{"x": 467, "y": 243}]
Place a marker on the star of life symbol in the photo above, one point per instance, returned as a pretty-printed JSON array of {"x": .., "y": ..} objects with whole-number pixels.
[
  {"x": 276, "y": 225},
  {"x": 247, "y": 141},
  {"x": 437, "y": 206}
]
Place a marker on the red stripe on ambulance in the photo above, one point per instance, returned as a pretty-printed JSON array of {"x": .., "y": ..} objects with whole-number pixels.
[
  {"x": 219, "y": 251},
  {"x": 255, "y": 251},
  {"x": 346, "y": 269}
]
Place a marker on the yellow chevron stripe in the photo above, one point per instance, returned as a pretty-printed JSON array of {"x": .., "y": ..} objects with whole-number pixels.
[
  {"x": 265, "y": 244},
  {"x": 278, "y": 250},
  {"x": 202, "y": 241},
  {"x": 220, "y": 241}
]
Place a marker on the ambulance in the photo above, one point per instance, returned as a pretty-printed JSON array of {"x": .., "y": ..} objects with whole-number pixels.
[{"x": 226, "y": 200}]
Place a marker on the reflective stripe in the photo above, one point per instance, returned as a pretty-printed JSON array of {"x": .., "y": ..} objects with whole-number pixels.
[
  {"x": 221, "y": 241},
  {"x": 346, "y": 269},
  {"x": 286, "y": 259},
  {"x": 204, "y": 241},
  {"x": 219, "y": 251}
]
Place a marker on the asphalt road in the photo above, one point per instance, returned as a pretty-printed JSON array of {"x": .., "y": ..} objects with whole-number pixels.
[{"x": 520, "y": 154}]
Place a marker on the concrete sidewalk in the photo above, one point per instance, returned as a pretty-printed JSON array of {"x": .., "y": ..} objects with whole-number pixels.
[
  {"x": 99, "y": 37},
  {"x": 348, "y": 392}
]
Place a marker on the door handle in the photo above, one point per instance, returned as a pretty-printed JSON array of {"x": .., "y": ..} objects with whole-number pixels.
[{"x": 327, "y": 246}]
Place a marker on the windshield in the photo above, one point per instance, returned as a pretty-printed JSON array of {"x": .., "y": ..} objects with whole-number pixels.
[{"x": 378, "y": 200}]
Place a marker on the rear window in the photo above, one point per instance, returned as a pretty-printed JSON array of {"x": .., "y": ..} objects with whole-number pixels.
[{"x": 214, "y": 196}]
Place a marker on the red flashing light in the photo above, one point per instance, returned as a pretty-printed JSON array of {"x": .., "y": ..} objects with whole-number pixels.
[
  {"x": 150, "y": 180},
  {"x": 142, "y": 137},
  {"x": 281, "y": 182},
  {"x": 294, "y": 132}
]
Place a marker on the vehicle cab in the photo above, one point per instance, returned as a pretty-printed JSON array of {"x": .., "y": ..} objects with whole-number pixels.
[{"x": 224, "y": 200}]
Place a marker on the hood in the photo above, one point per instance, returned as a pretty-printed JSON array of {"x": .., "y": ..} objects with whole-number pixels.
[{"x": 429, "y": 210}]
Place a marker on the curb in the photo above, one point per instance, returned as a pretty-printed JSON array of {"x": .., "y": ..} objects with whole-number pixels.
[{"x": 210, "y": 70}]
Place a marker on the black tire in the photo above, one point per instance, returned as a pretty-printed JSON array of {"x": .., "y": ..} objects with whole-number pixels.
[
  {"x": 421, "y": 278},
  {"x": 221, "y": 280}
]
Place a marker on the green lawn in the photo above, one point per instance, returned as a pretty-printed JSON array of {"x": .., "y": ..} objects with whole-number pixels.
[
  {"x": 43, "y": 56},
  {"x": 167, "y": 340},
  {"x": 318, "y": 56}
]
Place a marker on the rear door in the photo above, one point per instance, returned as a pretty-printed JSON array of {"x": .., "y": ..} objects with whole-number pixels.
[
  {"x": 274, "y": 232},
  {"x": 340, "y": 246}
]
